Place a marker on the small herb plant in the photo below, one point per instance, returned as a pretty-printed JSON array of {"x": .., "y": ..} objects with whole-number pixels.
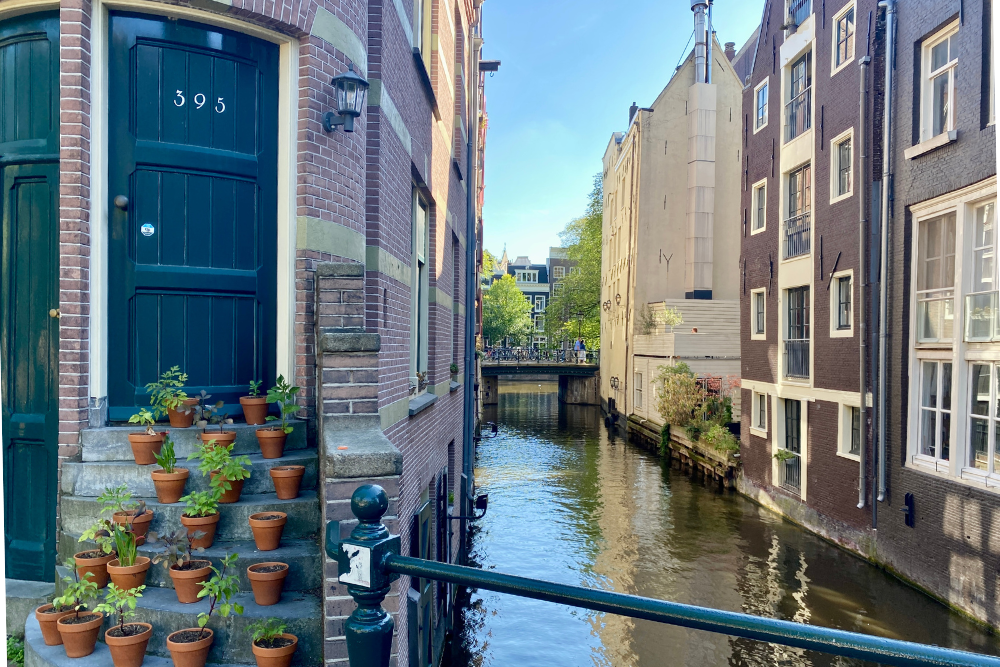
[
  {"x": 266, "y": 631},
  {"x": 454, "y": 369},
  {"x": 255, "y": 388},
  {"x": 215, "y": 457},
  {"x": 121, "y": 602},
  {"x": 144, "y": 418},
  {"x": 124, "y": 540},
  {"x": 283, "y": 394},
  {"x": 211, "y": 414},
  {"x": 177, "y": 549},
  {"x": 202, "y": 503},
  {"x": 219, "y": 590},
  {"x": 77, "y": 592},
  {"x": 166, "y": 459},
  {"x": 118, "y": 499},
  {"x": 784, "y": 454},
  {"x": 167, "y": 393},
  {"x": 100, "y": 534}
]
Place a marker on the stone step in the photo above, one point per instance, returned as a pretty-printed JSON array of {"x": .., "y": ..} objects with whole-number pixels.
[
  {"x": 23, "y": 597},
  {"x": 110, "y": 443},
  {"x": 79, "y": 513},
  {"x": 91, "y": 478},
  {"x": 303, "y": 557}
]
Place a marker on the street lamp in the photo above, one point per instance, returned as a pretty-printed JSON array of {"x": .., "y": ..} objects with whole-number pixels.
[{"x": 350, "y": 90}]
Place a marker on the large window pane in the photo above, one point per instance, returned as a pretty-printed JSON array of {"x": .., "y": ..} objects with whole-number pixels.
[
  {"x": 979, "y": 403},
  {"x": 939, "y": 103},
  {"x": 946, "y": 386},
  {"x": 929, "y": 383},
  {"x": 928, "y": 432},
  {"x": 984, "y": 242},
  {"x": 939, "y": 55},
  {"x": 979, "y": 442}
]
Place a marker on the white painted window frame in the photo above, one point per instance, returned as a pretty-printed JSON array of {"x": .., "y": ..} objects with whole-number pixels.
[
  {"x": 756, "y": 428},
  {"x": 757, "y": 124},
  {"x": 753, "y": 314},
  {"x": 835, "y": 304},
  {"x": 834, "y": 67},
  {"x": 637, "y": 398},
  {"x": 759, "y": 185},
  {"x": 926, "y": 85},
  {"x": 845, "y": 426},
  {"x": 846, "y": 135}
]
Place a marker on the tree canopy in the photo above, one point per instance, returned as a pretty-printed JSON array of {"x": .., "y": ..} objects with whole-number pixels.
[{"x": 506, "y": 312}]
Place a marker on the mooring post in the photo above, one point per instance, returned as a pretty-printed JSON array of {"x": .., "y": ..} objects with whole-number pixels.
[{"x": 361, "y": 566}]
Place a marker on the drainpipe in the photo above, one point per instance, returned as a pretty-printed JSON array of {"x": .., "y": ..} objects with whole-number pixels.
[
  {"x": 890, "y": 65},
  {"x": 862, "y": 282}
]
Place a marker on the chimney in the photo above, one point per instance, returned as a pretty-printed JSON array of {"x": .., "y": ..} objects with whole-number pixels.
[
  {"x": 730, "y": 51},
  {"x": 699, "y": 7},
  {"x": 631, "y": 112}
]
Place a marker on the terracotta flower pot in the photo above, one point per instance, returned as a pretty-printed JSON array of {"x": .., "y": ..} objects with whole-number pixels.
[
  {"x": 169, "y": 485},
  {"x": 233, "y": 494},
  {"x": 187, "y": 582},
  {"x": 80, "y": 638},
  {"x": 206, "y": 524},
  {"x": 193, "y": 652},
  {"x": 86, "y": 561},
  {"x": 140, "y": 524},
  {"x": 128, "y": 650},
  {"x": 267, "y": 531},
  {"x": 224, "y": 439},
  {"x": 128, "y": 577},
  {"x": 287, "y": 480},
  {"x": 145, "y": 446},
  {"x": 275, "y": 657},
  {"x": 254, "y": 409},
  {"x": 272, "y": 442},
  {"x": 267, "y": 580},
  {"x": 183, "y": 419},
  {"x": 47, "y": 619}
]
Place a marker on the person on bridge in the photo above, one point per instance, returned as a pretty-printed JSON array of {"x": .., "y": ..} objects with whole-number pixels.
[{"x": 581, "y": 352}]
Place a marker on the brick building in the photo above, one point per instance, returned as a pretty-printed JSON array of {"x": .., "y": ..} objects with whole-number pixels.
[{"x": 177, "y": 200}]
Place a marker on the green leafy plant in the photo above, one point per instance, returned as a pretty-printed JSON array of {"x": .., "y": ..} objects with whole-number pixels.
[
  {"x": 120, "y": 602},
  {"x": 100, "y": 534},
  {"x": 144, "y": 418},
  {"x": 721, "y": 439},
  {"x": 693, "y": 430},
  {"x": 219, "y": 590},
  {"x": 678, "y": 394},
  {"x": 167, "y": 393},
  {"x": 177, "y": 547},
  {"x": 211, "y": 414},
  {"x": 214, "y": 457},
  {"x": 454, "y": 369},
  {"x": 664, "y": 439},
  {"x": 118, "y": 499},
  {"x": 15, "y": 650},
  {"x": 202, "y": 503},
  {"x": 265, "y": 632},
  {"x": 255, "y": 387},
  {"x": 124, "y": 541},
  {"x": 166, "y": 458},
  {"x": 670, "y": 317},
  {"x": 784, "y": 454},
  {"x": 77, "y": 592},
  {"x": 283, "y": 394}
]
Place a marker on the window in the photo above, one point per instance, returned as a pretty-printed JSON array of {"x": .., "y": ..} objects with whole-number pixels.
[
  {"x": 759, "y": 207},
  {"x": 557, "y": 288},
  {"x": 422, "y": 30},
  {"x": 558, "y": 272},
  {"x": 798, "y": 222},
  {"x": 789, "y": 466},
  {"x": 539, "y": 323},
  {"x": 855, "y": 443},
  {"x": 842, "y": 167},
  {"x": 843, "y": 303},
  {"x": 799, "y": 10},
  {"x": 760, "y": 94},
  {"x": 539, "y": 303},
  {"x": 843, "y": 44},
  {"x": 759, "y": 414},
  {"x": 758, "y": 314},
  {"x": 937, "y": 95},
  {"x": 982, "y": 301},
  {"x": 526, "y": 276},
  {"x": 934, "y": 436},
  {"x": 849, "y": 434},
  {"x": 797, "y": 333},
  {"x": 798, "y": 110},
  {"x": 983, "y": 419},
  {"x": 936, "y": 279},
  {"x": 991, "y": 79},
  {"x": 419, "y": 332},
  {"x": 638, "y": 390}
]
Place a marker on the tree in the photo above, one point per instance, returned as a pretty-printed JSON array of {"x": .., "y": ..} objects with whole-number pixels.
[
  {"x": 489, "y": 263},
  {"x": 574, "y": 310},
  {"x": 678, "y": 394},
  {"x": 506, "y": 312}
]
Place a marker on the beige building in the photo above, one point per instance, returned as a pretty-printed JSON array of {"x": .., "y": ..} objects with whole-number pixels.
[{"x": 671, "y": 231}]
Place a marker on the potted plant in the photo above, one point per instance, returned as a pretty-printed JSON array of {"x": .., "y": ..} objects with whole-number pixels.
[
  {"x": 212, "y": 414},
  {"x": 271, "y": 646},
  {"x": 267, "y": 580},
  {"x": 118, "y": 502},
  {"x": 168, "y": 479},
  {"x": 287, "y": 480},
  {"x": 267, "y": 528},
  {"x": 128, "y": 570},
  {"x": 49, "y": 614},
  {"x": 189, "y": 647},
  {"x": 227, "y": 472},
  {"x": 254, "y": 405},
  {"x": 78, "y": 630},
  {"x": 453, "y": 369},
  {"x": 272, "y": 440},
  {"x": 201, "y": 516},
  {"x": 147, "y": 444},
  {"x": 127, "y": 641},
  {"x": 95, "y": 561},
  {"x": 187, "y": 572},
  {"x": 168, "y": 396}
]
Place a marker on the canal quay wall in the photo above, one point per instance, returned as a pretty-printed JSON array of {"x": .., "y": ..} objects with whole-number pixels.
[{"x": 691, "y": 455}]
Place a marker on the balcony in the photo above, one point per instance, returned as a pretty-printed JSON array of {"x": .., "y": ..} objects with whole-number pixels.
[
  {"x": 936, "y": 316},
  {"x": 790, "y": 473},
  {"x": 798, "y": 114},
  {"x": 797, "y": 358},
  {"x": 799, "y": 10},
  {"x": 798, "y": 235},
  {"x": 982, "y": 324}
]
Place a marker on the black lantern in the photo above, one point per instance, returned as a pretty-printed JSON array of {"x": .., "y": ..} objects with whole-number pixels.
[{"x": 350, "y": 90}]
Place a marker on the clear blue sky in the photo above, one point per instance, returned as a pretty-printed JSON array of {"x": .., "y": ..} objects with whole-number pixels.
[{"x": 570, "y": 69}]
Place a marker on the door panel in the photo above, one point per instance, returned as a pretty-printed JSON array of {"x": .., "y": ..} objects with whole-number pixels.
[
  {"x": 29, "y": 289},
  {"x": 194, "y": 149}
]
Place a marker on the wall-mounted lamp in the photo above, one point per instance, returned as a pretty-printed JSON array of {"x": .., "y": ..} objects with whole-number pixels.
[{"x": 350, "y": 90}]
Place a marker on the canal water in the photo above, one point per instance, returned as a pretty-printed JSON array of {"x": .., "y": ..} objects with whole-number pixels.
[{"x": 571, "y": 505}]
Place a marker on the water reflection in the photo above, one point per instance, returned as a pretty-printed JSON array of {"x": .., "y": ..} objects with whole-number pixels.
[{"x": 568, "y": 505}]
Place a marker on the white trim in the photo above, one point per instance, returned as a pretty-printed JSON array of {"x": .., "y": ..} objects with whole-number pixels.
[
  {"x": 835, "y": 304},
  {"x": 755, "y": 398},
  {"x": 762, "y": 183},
  {"x": 12, "y": 8},
  {"x": 99, "y": 310},
  {"x": 926, "y": 91},
  {"x": 834, "y": 67},
  {"x": 753, "y": 314},
  {"x": 778, "y": 437},
  {"x": 804, "y": 392},
  {"x": 844, "y": 428},
  {"x": 835, "y": 165},
  {"x": 767, "y": 112}
]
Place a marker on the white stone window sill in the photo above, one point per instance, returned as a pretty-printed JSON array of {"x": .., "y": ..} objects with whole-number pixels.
[
  {"x": 756, "y": 336},
  {"x": 933, "y": 143},
  {"x": 842, "y": 333},
  {"x": 759, "y": 432},
  {"x": 931, "y": 464},
  {"x": 853, "y": 457}
]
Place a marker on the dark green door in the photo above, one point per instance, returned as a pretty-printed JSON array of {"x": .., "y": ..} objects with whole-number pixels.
[
  {"x": 193, "y": 150},
  {"x": 29, "y": 290}
]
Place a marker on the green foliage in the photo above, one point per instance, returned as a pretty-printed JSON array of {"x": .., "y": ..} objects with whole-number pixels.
[
  {"x": 664, "y": 439},
  {"x": 124, "y": 540},
  {"x": 145, "y": 418},
  {"x": 15, "y": 650},
  {"x": 268, "y": 630},
  {"x": 784, "y": 454},
  {"x": 693, "y": 430},
  {"x": 78, "y": 591},
  {"x": 255, "y": 387},
  {"x": 721, "y": 439},
  {"x": 211, "y": 414},
  {"x": 489, "y": 263},
  {"x": 177, "y": 547},
  {"x": 671, "y": 317},
  {"x": 678, "y": 394},
  {"x": 116, "y": 499},
  {"x": 506, "y": 312},
  {"x": 100, "y": 533},
  {"x": 645, "y": 322},
  {"x": 219, "y": 590},
  {"x": 121, "y": 602},
  {"x": 202, "y": 503},
  {"x": 283, "y": 394},
  {"x": 716, "y": 409},
  {"x": 167, "y": 393},
  {"x": 166, "y": 458},
  {"x": 216, "y": 457},
  {"x": 453, "y": 369}
]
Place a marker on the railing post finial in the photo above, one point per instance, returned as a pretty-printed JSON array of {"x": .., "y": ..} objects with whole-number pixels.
[{"x": 361, "y": 560}]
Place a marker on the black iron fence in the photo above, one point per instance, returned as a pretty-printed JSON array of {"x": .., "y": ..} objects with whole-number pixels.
[
  {"x": 798, "y": 235},
  {"x": 797, "y": 358},
  {"x": 539, "y": 356},
  {"x": 798, "y": 114}
]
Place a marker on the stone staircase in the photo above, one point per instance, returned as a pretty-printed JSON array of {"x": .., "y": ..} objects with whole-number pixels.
[{"x": 107, "y": 461}]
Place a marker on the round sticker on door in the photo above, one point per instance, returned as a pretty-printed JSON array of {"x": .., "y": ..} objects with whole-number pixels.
[{"x": 146, "y": 229}]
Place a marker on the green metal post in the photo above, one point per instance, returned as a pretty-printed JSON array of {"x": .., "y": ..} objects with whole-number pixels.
[{"x": 361, "y": 559}]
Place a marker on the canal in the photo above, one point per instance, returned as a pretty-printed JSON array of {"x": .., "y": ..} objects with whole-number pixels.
[{"x": 571, "y": 505}]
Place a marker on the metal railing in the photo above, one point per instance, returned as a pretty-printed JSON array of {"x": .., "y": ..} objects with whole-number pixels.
[
  {"x": 522, "y": 355},
  {"x": 799, "y": 10},
  {"x": 982, "y": 323},
  {"x": 798, "y": 114},
  {"x": 369, "y": 562},
  {"x": 797, "y": 358},
  {"x": 798, "y": 235},
  {"x": 790, "y": 470}
]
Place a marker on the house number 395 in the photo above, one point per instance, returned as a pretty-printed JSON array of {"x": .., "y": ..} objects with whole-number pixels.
[{"x": 199, "y": 101}]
